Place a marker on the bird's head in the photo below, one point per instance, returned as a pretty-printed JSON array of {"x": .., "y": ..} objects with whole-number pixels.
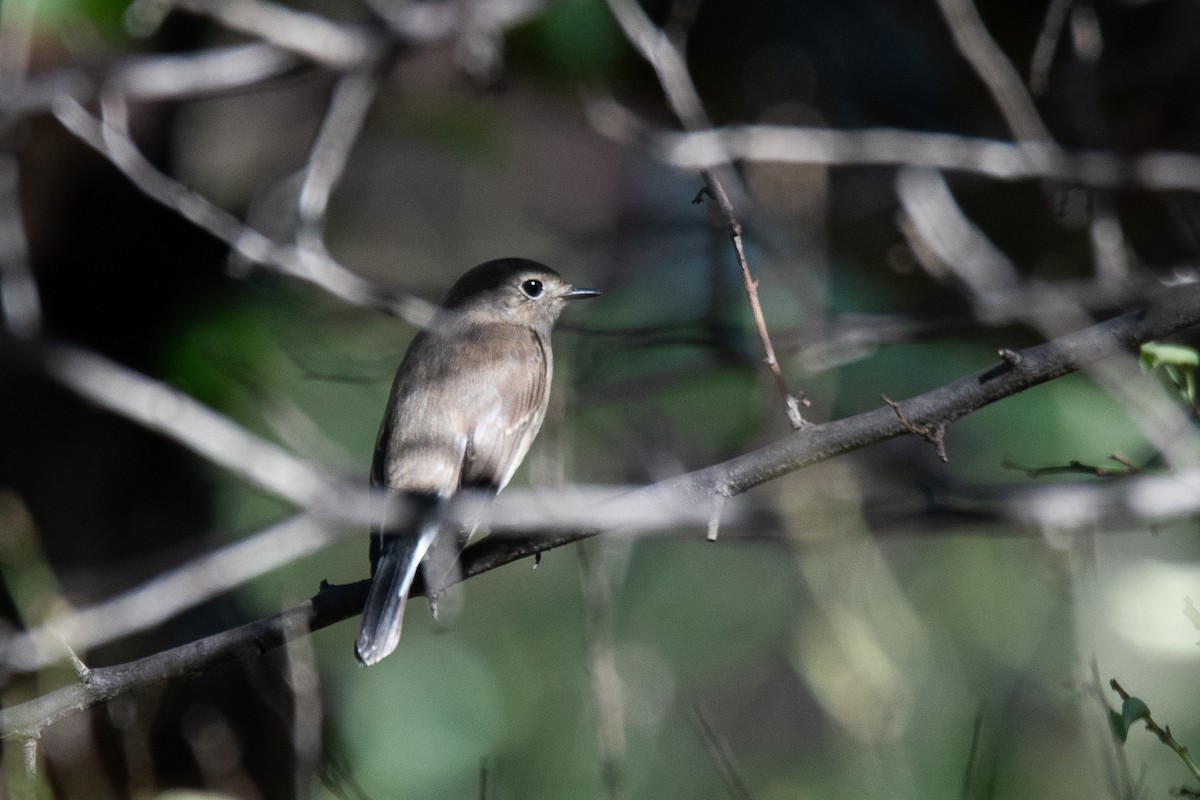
[{"x": 513, "y": 290}]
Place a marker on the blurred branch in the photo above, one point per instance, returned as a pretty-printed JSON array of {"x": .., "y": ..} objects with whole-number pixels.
[
  {"x": 1047, "y": 44},
  {"x": 1174, "y": 311},
  {"x": 949, "y": 244},
  {"x": 314, "y": 266},
  {"x": 994, "y": 69},
  {"x": 670, "y": 66},
  {"x": 992, "y": 158},
  {"x": 178, "y": 416},
  {"x": 204, "y": 72},
  {"x": 20, "y": 301},
  {"x": 565, "y": 509},
  {"x": 314, "y": 37},
  {"x": 608, "y": 696},
  {"x": 327, "y": 161},
  {"x": 166, "y": 595}
]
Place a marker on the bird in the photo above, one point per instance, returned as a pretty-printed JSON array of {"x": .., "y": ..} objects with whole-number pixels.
[{"x": 467, "y": 401}]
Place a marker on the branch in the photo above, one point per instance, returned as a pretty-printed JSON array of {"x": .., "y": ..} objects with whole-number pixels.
[
  {"x": 671, "y": 68},
  {"x": 314, "y": 266},
  {"x": 1176, "y": 310},
  {"x": 1173, "y": 311},
  {"x": 993, "y": 68},
  {"x": 178, "y": 416},
  {"x": 167, "y": 594},
  {"x": 993, "y": 158}
]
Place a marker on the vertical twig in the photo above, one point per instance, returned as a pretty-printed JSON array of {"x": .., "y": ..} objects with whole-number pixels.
[
  {"x": 327, "y": 159},
  {"x": 303, "y": 678},
  {"x": 660, "y": 51},
  {"x": 607, "y": 695},
  {"x": 20, "y": 302},
  {"x": 720, "y": 755},
  {"x": 1047, "y": 44},
  {"x": 994, "y": 69}
]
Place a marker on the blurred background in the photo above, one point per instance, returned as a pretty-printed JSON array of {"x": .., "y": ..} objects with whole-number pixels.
[{"x": 883, "y": 627}]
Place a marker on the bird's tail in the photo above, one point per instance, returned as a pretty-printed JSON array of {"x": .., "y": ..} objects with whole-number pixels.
[{"x": 399, "y": 555}]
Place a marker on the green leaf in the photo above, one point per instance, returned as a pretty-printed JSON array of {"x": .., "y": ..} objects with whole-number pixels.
[
  {"x": 1132, "y": 710},
  {"x": 1119, "y": 728},
  {"x": 1157, "y": 354}
]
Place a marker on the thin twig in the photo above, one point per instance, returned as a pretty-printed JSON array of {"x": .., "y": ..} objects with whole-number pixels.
[
  {"x": 1047, "y": 44},
  {"x": 340, "y": 129},
  {"x": 1164, "y": 734},
  {"x": 994, "y": 69},
  {"x": 935, "y": 435},
  {"x": 670, "y": 66},
  {"x": 312, "y": 36},
  {"x": 179, "y": 416},
  {"x": 991, "y": 158},
  {"x": 947, "y": 241},
  {"x": 719, "y": 754},
  {"x": 608, "y": 696},
  {"x": 307, "y": 264},
  {"x": 20, "y": 301}
]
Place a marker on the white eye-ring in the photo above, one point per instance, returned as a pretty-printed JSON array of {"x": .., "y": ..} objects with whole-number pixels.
[{"x": 532, "y": 288}]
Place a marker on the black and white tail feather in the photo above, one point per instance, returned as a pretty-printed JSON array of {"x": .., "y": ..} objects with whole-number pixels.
[{"x": 396, "y": 556}]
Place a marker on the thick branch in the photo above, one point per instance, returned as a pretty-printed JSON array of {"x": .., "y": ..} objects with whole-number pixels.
[{"x": 1176, "y": 310}]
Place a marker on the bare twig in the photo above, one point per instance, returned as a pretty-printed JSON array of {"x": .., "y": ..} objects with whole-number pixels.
[
  {"x": 935, "y": 435},
  {"x": 20, "y": 302},
  {"x": 671, "y": 68},
  {"x": 178, "y": 416},
  {"x": 994, "y": 69},
  {"x": 204, "y": 72},
  {"x": 992, "y": 158},
  {"x": 339, "y": 131},
  {"x": 304, "y": 680},
  {"x": 607, "y": 692},
  {"x": 429, "y": 22},
  {"x": 1047, "y": 44},
  {"x": 719, "y": 754},
  {"x": 313, "y": 266},
  {"x": 1073, "y": 468},
  {"x": 314, "y": 37},
  {"x": 952, "y": 243}
]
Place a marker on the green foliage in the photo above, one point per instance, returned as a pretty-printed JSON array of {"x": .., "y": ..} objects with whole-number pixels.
[
  {"x": 106, "y": 16},
  {"x": 1178, "y": 364},
  {"x": 571, "y": 40},
  {"x": 1132, "y": 710}
]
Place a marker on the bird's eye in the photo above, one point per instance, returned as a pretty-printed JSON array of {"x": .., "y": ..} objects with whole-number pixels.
[{"x": 532, "y": 288}]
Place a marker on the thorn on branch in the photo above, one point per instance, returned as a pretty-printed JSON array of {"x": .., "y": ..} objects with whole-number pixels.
[
  {"x": 31, "y": 746},
  {"x": 714, "y": 522},
  {"x": 793, "y": 403},
  {"x": 1011, "y": 357},
  {"x": 700, "y": 195},
  {"x": 935, "y": 435}
]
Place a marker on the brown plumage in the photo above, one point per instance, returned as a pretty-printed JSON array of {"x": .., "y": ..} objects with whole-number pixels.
[{"x": 468, "y": 399}]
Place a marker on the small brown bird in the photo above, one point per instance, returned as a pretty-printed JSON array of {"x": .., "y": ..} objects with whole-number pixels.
[{"x": 468, "y": 399}]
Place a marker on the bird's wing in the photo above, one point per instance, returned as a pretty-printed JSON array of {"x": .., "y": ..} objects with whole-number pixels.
[{"x": 504, "y": 429}]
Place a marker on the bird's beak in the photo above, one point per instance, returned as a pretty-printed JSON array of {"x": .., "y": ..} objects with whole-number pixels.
[{"x": 579, "y": 294}]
